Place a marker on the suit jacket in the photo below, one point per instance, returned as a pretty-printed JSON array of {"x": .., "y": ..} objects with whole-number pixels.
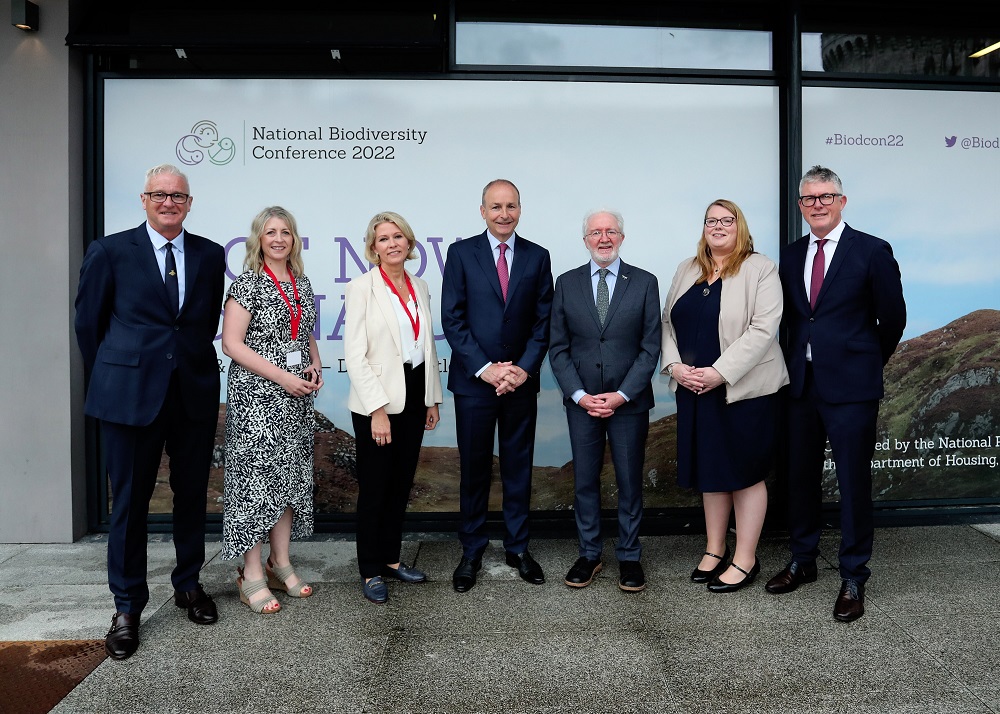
[
  {"x": 749, "y": 316},
  {"x": 130, "y": 339},
  {"x": 373, "y": 351},
  {"x": 858, "y": 321},
  {"x": 481, "y": 327},
  {"x": 621, "y": 355}
]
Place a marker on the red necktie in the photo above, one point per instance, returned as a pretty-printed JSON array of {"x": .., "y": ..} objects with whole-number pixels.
[
  {"x": 819, "y": 267},
  {"x": 502, "y": 272}
]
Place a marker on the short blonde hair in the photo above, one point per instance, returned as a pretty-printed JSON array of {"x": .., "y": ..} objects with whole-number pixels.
[
  {"x": 388, "y": 217},
  {"x": 254, "y": 259}
]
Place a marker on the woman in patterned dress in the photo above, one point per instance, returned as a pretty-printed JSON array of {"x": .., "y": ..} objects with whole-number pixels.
[
  {"x": 720, "y": 348},
  {"x": 395, "y": 391},
  {"x": 275, "y": 372}
]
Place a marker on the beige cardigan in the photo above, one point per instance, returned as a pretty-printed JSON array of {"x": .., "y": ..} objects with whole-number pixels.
[
  {"x": 372, "y": 348},
  {"x": 749, "y": 314}
]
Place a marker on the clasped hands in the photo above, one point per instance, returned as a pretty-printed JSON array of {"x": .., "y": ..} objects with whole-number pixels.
[
  {"x": 504, "y": 376},
  {"x": 601, "y": 405},
  {"x": 698, "y": 379}
]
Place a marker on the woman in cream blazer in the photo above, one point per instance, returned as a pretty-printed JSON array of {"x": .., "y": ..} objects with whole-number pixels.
[
  {"x": 719, "y": 346},
  {"x": 395, "y": 391}
]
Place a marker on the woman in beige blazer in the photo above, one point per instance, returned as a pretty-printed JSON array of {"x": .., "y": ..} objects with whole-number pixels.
[
  {"x": 719, "y": 346},
  {"x": 395, "y": 391}
]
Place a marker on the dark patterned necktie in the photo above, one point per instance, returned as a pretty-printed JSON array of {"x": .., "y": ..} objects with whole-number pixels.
[
  {"x": 170, "y": 280},
  {"x": 603, "y": 297}
]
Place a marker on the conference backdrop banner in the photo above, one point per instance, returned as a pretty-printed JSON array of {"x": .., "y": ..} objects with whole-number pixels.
[
  {"x": 920, "y": 170},
  {"x": 335, "y": 152},
  {"x": 918, "y": 167}
]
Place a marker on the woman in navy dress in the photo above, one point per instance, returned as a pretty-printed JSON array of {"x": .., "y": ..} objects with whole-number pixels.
[{"x": 720, "y": 326}]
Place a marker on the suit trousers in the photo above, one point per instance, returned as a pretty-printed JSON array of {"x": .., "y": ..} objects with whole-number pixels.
[
  {"x": 850, "y": 428},
  {"x": 133, "y": 456},
  {"x": 385, "y": 477},
  {"x": 626, "y": 434},
  {"x": 512, "y": 418}
]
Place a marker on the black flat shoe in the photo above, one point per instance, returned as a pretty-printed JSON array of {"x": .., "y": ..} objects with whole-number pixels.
[
  {"x": 631, "y": 578},
  {"x": 464, "y": 577},
  {"x": 122, "y": 639},
  {"x": 529, "y": 570},
  {"x": 583, "y": 572},
  {"x": 705, "y": 576},
  {"x": 200, "y": 606},
  {"x": 717, "y": 586}
]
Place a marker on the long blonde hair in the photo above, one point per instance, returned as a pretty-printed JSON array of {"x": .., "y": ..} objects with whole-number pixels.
[
  {"x": 743, "y": 249},
  {"x": 254, "y": 259}
]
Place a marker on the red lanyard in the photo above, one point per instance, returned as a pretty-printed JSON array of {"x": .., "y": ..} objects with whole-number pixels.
[
  {"x": 415, "y": 323},
  {"x": 296, "y": 316}
]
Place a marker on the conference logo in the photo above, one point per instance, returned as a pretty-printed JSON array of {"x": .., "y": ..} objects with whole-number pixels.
[{"x": 203, "y": 142}]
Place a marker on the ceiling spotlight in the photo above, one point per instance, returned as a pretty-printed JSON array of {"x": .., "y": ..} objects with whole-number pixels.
[
  {"x": 24, "y": 15},
  {"x": 181, "y": 54},
  {"x": 335, "y": 54}
]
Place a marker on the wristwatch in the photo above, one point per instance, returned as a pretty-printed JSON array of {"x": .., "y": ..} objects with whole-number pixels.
[{"x": 670, "y": 369}]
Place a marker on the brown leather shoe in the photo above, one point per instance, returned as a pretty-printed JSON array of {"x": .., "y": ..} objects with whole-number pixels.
[
  {"x": 850, "y": 603},
  {"x": 201, "y": 609},
  {"x": 122, "y": 639},
  {"x": 791, "y": 577}
]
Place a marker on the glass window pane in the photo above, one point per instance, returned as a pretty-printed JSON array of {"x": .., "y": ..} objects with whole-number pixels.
[
  {"x": 924, "y": 55},
  {"x": 549, "y": 45}
]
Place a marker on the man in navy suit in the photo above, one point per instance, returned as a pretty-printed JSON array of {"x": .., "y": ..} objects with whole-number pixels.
[
  {"x": 844, "y": 316},
  {"x": 604, "y": 349},
  {"x": 147, "y": 312},
  {"x": 496, "y": 294}
]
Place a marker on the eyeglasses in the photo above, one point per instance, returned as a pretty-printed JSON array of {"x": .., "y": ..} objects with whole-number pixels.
[
  {"x": 610, "y": 233},
  {"x": 160, "y": 196},
  {"x": 727, "y": 221},
  {"x": 826, "y": 199}
]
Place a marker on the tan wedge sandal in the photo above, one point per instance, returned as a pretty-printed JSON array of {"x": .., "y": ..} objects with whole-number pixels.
[
  {"x": 249, "y": 588},
  {"x": 277, "y": 579}
]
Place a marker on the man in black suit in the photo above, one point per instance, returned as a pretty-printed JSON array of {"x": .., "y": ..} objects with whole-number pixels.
[
  {"x": 147, "y": 312},
  {"x": 844, "y": 316},
  {"x": 605, "y": 343},
  {"x": 496, "y": 294}
]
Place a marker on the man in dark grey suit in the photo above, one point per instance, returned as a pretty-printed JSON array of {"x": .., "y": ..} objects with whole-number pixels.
[{"x": 604, "y": 346}]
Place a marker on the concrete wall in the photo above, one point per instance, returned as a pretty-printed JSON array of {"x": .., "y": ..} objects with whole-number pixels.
[{"x": 42, "y": 471}]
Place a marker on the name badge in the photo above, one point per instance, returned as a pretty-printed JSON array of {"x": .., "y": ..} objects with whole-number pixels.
[{"x": 294, "y": 359}]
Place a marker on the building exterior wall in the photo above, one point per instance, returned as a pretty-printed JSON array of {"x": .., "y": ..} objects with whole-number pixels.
[{"x": 42, "y": 472}]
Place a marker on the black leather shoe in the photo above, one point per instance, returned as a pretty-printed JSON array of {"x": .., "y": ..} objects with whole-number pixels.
[
  {"x": 583, "y": 572},
  {"x": 405, "y": 573},
  {"x": 791, "y": 577},
  {"x": 201, "y": 609},
  {"x": 529, "y": 570},
  {"x": 465, "y": 574},
  {"x": 122, "y": 639},
  {"x": 375, "y": 590},
  {"x": 850, "y": 603},
  {"x": 705, "y": 576},
  {"x": 631, "y": 579},
  {"x": 717, "y": 586}
]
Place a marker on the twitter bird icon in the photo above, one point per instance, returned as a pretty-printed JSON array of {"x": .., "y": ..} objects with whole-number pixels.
[{"x": 950, "y": 141}]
